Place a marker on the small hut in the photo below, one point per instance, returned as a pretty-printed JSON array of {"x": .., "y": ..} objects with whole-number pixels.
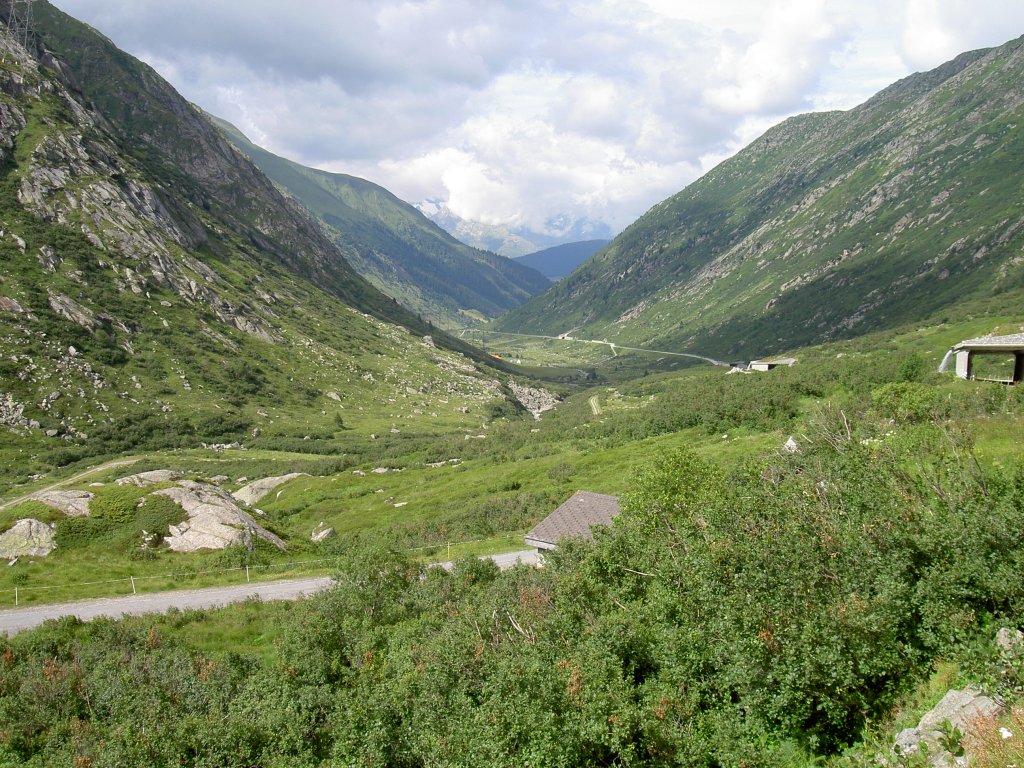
[
  {"x": 576, "y": 518},
  {"x": 965, "y": 352},
  {"x": 767, "y": 365}
]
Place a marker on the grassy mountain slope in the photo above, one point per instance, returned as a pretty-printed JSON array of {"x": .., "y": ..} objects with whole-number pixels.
[
  {"x": 828, "y": 226},
  {"x": 157, "y": 290},
  {"x": 558, "y": 261},
  {"x": 396, "y": 247}
]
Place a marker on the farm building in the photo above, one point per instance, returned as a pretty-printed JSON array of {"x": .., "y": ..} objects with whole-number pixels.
[
  {"x": 767, "y": 365},
  {"x": 574, "y": 519},
  {"x": 1010, "y": 347}
]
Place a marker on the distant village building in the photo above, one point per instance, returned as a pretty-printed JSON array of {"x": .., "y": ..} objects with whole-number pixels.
[
  {"x": 576, "y": 518},
  {"x": 767, "y": 365},
  {"x": 991, "y": 345}
]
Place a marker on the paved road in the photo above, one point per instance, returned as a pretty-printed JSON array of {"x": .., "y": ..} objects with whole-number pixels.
[{"x": 17, "y": 619}]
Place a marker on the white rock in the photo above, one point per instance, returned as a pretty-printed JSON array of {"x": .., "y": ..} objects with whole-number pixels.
[
  {"x": 71, "y": 503},
  {"x": 153, "y": 477},
  {"x": 27, "y": 538},
  {"x": 214, "y": 520},
  {"x": 257, "y": 489}
]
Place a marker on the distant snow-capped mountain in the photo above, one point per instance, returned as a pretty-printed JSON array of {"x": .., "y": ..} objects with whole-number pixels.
[{"x": 513, "y": 241}]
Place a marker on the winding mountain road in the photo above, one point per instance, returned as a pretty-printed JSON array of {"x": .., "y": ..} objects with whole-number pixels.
[{"x": 15, "y": 620}]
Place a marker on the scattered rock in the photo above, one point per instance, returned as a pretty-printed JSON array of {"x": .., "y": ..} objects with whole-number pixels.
[
  {"x": 380, "y": 470},
  {"x": 358, "y": 473},
  {"x": 71, "y": 503},
  {"x": 257, "y": 489},
  {"x": 1010, "y": 641},
  {"x": 959, "y": 709},
  {"x": 219, "y": 479},
  {"x": 27, "y": 538},
  {"x": 791, "y": 446},
  {"x": 11, "y": 411},
  {"x": 334, "y": 396},
  {"x": 429, "y": 341},
  {"x": 48, "y": 258},
  {"x": 321, "y": 533},
  {"x": 536, "y": 401},
  {"x": 10, "y": 305},
  {"x": 153, "y": 477},
  {"x": 71, "y": 310},
  {"x": 214, "y": 520}
]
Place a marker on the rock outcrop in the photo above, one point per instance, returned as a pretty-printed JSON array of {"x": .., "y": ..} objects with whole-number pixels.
[
  {"x": 257, "y": 489},
  {"x": 957, "y": 708},
  {"x": 71, "y": 503},
  {"x": 321, "y": 533},
  {"x": 214, "y": 520},
  {"x": 153, "y": 477},
  {"x": 28, "y": 538},
  {"x": 536, "y": 401}
]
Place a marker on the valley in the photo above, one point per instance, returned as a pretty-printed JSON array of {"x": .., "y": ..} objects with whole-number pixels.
[{"x": 225, "y": 372}]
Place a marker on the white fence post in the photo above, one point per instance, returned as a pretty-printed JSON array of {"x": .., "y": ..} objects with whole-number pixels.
[
  {"x": 247, "y": 574},
  {"x": 133, "y": 584},
  {"x": 15, "y": 596}
]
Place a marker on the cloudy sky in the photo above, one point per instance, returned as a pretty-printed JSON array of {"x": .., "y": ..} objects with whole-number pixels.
[{"x": 516, "y": 111}]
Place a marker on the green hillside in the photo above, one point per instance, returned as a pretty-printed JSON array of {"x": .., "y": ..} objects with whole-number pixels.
[
  {"x": 157, "y": 290},
  {"x": 396, "y": 247},
  {"x": 828, "y": 226}
]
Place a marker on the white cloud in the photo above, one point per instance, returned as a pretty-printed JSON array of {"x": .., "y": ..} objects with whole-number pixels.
[{"x": 519, "y": 111}]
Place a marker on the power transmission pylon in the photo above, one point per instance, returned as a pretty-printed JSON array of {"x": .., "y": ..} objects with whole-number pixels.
[{"x": 19, "y": 20}]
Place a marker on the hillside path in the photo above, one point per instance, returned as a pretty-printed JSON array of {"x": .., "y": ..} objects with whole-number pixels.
[
  {"x": 15, "y": 620},
  {"x": 68, "y": 481}
]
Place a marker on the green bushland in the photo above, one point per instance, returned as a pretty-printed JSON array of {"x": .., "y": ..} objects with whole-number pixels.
[{"x": 760, "y": 615}]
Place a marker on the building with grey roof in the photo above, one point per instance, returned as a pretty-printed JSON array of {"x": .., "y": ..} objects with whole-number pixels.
[
  {"x": 992, "y": 345},
  {"x": 576, "y": 518}
]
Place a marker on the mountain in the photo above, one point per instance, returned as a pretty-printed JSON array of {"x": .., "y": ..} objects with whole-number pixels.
[
  {"x": 560, "y": 260},
  {"x": 395, "y": 247},
  {"x": 513, "y": 241},
  {"x": 158, "y": 290},
  {"x": 829, "y": 225}
]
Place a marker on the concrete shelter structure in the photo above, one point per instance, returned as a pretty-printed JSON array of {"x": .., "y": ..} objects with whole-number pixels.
[
  {"x": 1001, "y": 345},
  {"x": 767, "y": 365},
  {"x": 576, "y": 518}
]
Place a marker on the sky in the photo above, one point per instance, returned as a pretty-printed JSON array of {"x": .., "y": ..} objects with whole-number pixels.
[{"x": 521, "y": 112}]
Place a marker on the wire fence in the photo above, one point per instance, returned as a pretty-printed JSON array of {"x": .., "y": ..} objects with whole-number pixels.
[{"x": 177, "y": 576}]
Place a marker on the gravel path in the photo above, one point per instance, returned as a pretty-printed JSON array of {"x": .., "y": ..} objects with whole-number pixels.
[
  {"x": 69, "y": 481},
  {"x": 17, "y": 619}
]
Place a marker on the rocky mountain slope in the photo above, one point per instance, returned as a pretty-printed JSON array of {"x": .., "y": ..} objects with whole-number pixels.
[
  {"x": 828, "y": 226},
  {"x": 560, "y": 260},
  {"x": 157, "y": 290},
  {"x": 396, "y": 247}
]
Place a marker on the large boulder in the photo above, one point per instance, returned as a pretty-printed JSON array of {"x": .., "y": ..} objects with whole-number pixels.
[
  {"x": 215, "y": 521},
  {"x": 958, "y": 709},
  {"x": 71, "y": 503},
  {"x": 257, "y": 489},
  {"x": 153, "y": 477},
  {"x": 28, "y": 538}
]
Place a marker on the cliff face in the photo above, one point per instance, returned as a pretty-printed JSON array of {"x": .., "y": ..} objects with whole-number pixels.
[{"x": 829, "y": 225}]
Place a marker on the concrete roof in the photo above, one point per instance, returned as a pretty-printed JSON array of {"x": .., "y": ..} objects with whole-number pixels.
[
  {"x": 775, "y": 361},
  {"x": 574, "y": 519},
  {"x": 1012, "y": 343}
]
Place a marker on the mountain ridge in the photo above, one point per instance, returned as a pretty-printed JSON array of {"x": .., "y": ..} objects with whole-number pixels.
[
  {"x": 394, "y": 246},
  {"x": 559, "y": 260},
  {"x": 829, "y": 225}
]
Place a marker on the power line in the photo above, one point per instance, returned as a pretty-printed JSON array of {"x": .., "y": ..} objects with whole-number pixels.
[{"x": 19, "y": 20}]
